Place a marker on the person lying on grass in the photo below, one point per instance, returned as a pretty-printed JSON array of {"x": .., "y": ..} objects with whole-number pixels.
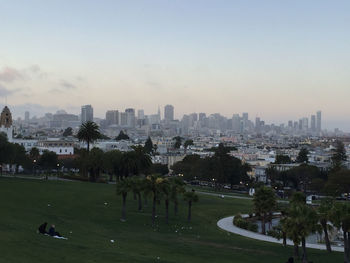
[{"x": 52, "y": 232}]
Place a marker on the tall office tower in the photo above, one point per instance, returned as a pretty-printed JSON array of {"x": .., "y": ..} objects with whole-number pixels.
[
  {"x": 257, "y": 124},
  {"x": 318, "y": 121},
  {"x": 130, "y": 119},
  {"x": 169, "y": 113},
  {"x": 202, "y": 116},
  {"x": 26, "y": 116},
  {"x": 245, "y": 116},
  {"x": 305, "y": 124},
  {"x": 313, "y": 123},
  {"x": 112, "y": 117},
  {"x": 140, "y": 114},
  {"x": 290, "y": 124},
  {"x": 236, "y": 123},
  {"x": 123, "y": 119},
  {"x": 300, "y": 125},
  {"x": 193, "y": 118},
  {"x": 295, "y": 125},
  {"x": 87, "y": 113}
]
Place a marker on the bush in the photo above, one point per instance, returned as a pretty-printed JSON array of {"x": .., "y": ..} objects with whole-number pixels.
[{"x": 240, "y": 222}]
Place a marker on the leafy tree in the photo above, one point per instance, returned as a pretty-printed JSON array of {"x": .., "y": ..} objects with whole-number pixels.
[
  {"x": 137, "y": 186},
  {"x": 48, "y": 160},
  {"x": 112, "y": 164},
  {"x": 144, "y": 161},
  {"x": 68, "y": 132},
  {"x": 34, "y": 153},
  {"x": 178, "y": 141},
  {"x": 95, "y": 163},
  {"x": 302, "y": 175},
  {"x": 303, "y": 156},
  {"x": 264, "y": 202},
  {"x": 339, "y": 156},
  {"x": 129, "y": 164},
  {"x": 158, "y": 168},
  {"x": 89, "y": 132},
  {"x": 122, "y": 136},
  {"x": 5, "y": 149},
  {"x": 282, "y": 159},
  {"x": 338, "y": 182},
  {"x": 19, "y": 156},
  {"x": 123, "y": 187},
  {"x": 149, "y": 147},
  {"x": 190, "y": 197}
]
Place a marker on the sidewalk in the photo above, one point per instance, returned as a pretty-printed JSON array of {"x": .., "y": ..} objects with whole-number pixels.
[{"x": 227, "y": 225}]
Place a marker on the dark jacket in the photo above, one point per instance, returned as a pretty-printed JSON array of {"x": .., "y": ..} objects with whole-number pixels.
[{"x": 42, "y": 228}]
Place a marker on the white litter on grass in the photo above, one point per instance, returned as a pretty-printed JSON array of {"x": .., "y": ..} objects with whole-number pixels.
[
  {"x": 70, "y": 232},
  {"x": 48, "y": 205},
  {"x": 222, "y": 196},
  {"x": 112, "y": 241},
  {"x": 158, "y": 258},
  {"x": 106, "y": 203}
]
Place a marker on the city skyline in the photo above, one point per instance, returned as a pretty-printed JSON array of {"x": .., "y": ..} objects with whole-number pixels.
[{"x": 275, "y": 61}]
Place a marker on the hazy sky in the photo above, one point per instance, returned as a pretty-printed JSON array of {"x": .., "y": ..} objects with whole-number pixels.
[{"x": 278, "y": 60}]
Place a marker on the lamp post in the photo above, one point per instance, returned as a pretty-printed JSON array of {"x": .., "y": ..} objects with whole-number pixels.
[
  {"x": 34, "y": 162},
  {"x": 58, "y": 167}
]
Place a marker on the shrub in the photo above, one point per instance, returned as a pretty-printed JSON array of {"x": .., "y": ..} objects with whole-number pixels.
[{"x": 245, "y": 224}]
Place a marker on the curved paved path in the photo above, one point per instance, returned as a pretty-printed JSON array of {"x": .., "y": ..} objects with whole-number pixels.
[{"x": 227, "y": 225}]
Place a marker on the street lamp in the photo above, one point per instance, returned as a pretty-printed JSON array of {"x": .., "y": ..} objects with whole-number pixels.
[{"x": 34, "y": 162}]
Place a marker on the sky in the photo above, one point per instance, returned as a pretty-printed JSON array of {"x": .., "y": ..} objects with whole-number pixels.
[{"x": 277, "y": 60}]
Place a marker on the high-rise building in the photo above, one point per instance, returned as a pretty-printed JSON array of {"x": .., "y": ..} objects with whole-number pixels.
[
  {"x": 169, "y": 113},
  {"x": 112, "y": 117},
  {"x": 87, "y": 113},
  {"x": 305, "y": 124},
  {"x": 130, "y": 117},
  {"x": 123, "y": 119},
  {"x": 313, "y": 123},
  {"x": 318, "y": 121},
  {"x": 140, "y": 114},
  {"x": 26, "y": 116},
  {"x": 236, "y": 123},
  {"x": 202, "y": 116}
]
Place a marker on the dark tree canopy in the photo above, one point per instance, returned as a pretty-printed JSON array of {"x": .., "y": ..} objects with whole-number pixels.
[
  {"x": 122, "y": 136},
  {"x": 149, "y": 147},
  {"x": 68, "y": 132},
  {"x": 89, "y": 132},
  {"x": 302, "y": 156},
  {"x": 282, "y": 159},
  {"x": 339, "y": 156}
]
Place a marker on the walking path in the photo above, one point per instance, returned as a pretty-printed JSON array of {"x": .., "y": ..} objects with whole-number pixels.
[{"x": 227, "y": 225}]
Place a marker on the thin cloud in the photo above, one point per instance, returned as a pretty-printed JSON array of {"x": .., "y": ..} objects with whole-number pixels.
[
  {"x": 7, "y": 92},
  {"x": 67, "y": 85},
  {"x": 8, "y": 74}
]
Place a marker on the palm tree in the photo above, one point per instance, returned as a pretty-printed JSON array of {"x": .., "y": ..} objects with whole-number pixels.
[
  {"x": 123, "y": 187},
  {"x": 190, "y": 197},
  {"x": 89, "y": 132},
  {"x": 166, "y": 191},
  {"x": 137, "y": 185},
  {"x": 324, "y": 212},
  {"x": 177, "y": 187},
  {"x": 340, "y": 218},
  {"x": 153, "y": 185},
  {"x": 264, "y": 202}
]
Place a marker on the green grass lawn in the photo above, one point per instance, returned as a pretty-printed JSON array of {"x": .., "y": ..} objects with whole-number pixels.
[{"x": 79, "y": 212}]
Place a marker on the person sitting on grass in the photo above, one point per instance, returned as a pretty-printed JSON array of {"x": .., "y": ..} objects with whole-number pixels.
[
  {"x": 42, "y": 228},
  {"x": 52, "y": 231}
]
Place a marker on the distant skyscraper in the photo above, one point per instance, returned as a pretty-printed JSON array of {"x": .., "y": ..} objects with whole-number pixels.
[
  {"x": 26, "y": 116},
  {"x": 318, "y": 121},
  {"x": 123, "y": 119},
  {"x": 305, "y": 124},
  {"x": 245, "y": 116},
  {"x": 130, "y": 119},
  {"x": 169, "y": 113},
  {"x": 140, "y": 114},
  {"x": 87, "y": 113},
  {"x": 236, "y": 123},
  {"x": 112, "y": 117},
  {"x": 313, "y": 123},
  {"x": 202, "y": 116}
]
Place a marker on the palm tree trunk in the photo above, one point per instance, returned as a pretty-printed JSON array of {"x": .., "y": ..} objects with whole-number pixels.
[
  {"x": 135, "y": 196},
  {"x": 346, "y": 244},
  {"x": 348, "y": 254},
  {"x": 326, "y": 237},
  {"x": 154, "y": 209},
  {"x": 88, "y": 146},
  {"x": 145, "y": 200},
  {"x": 176, "y": 207},
  {"x": 167, "y": 211},
  {"x": 189, "y": 211},
  {"x": 296, "y": 250},
  {"x": 140, "y": 201},
  {"x": 284, "y": 238},
  {"x": 304, "y": 258},
  {"x": 124, "y": 207},
  {"x": 263, "y": 230}
]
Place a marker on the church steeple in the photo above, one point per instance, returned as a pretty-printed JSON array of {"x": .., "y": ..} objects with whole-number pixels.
[{"x": 6, "y": 118}]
